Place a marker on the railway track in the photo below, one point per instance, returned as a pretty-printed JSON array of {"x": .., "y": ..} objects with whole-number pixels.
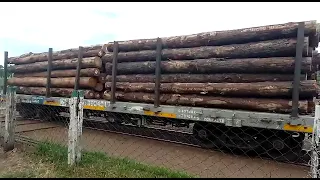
[
  {"x": 172, "y": 136},
  {"x": 160, "y": 149},
  {"x": 166, "y": 134},
  {"x": 182, "y": 138}
]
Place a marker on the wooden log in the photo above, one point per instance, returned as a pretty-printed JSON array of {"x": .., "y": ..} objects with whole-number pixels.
[
  {"x": 98, "y": 95},
  {"x": 55, "y": 92},
  {"x": 204, "y": 78},
  {"x": 103, "y": 50},
  {"x": 218, "y": 38},
  {"x": 252, "y": 104},
  {"x": 88, "y": 72},
  {"x": 102, "y": 78},
  {"x": 308, "y": 88},
  {"x": 204, "y": 66},
  {"x": 272, "y": 48},
  {"x": 91, "y": 62},
  {"x": 316, "y": 59},
  {"x": 314, "y": 39},
  {"x": 89, "y": 51},
  {"x": 67, "y": 82},
  {"x": 99, "y": 87}
]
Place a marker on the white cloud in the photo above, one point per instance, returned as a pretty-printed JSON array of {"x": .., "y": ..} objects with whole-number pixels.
[{"x": 67, "y": 25}]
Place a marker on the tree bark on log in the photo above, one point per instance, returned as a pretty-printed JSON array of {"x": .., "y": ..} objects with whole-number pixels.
[
  {"x": 99, "y": 87},
  {"x": 273, "y": 48},
  {"x": 252, "y": 104},
  {"x": 89, "y": 51},
  {"x": 67, "y": 82},
  {"x": 91, "y": 62},
  {"x": 204, "y": 66},
  {"x": 203, "y": 78},
  {"x": 218, "y": 38},
  {"x": 55, "y": 92},
  {"x": 308, "y": 89},
  {"x": 89, "y": 72}
]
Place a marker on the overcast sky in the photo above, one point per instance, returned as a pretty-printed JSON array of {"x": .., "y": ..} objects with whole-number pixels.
[{"x": 34, "y": 27}]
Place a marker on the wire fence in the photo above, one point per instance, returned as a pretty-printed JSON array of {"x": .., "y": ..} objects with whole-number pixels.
[
  {"x": 2, "y": 115},
  {"x": 205, "y": 149},
  {"x": 42, "y": 123},
  {"x": 203, "y": 142},
  {"x": 198, "y": 148}
]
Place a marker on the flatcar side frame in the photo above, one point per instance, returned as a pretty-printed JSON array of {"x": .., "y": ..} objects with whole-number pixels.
[{"x": 233, "y": 118}]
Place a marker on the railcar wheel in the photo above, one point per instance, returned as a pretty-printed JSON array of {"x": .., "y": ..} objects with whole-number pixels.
[
  {"x": 285, "y": 146},
  {"x": 204, "y": 133}
]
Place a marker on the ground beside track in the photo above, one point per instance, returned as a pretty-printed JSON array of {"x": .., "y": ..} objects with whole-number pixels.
[
  {"x": 47, "y": 160},
  {"x": 205, "y": 163}
]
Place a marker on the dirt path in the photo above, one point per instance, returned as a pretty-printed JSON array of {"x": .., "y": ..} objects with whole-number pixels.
[
  {"x": 14, "y": 161},
  {"x": 205, "y": 163}
]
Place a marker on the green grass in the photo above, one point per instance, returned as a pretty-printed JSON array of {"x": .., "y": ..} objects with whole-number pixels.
[
  {"x": 20, "y": 174},
  {"x": 95, "y": 164}
]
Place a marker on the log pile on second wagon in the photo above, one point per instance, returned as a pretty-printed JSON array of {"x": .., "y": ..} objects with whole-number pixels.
[
  {"x": 30, "y": 72},
  {"x": 243, "y": 69},
  {"x": 246, "y": 69}
]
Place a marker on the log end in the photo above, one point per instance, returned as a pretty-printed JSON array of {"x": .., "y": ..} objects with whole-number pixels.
[
  {"x": 106, "y": 95},
  {"x": 103, "y": 50},
  {"x": 98, "y": 87},
  {"x": 92, "y": 82},
  {"x": 97, "y": 95},
  {"x": 96, "y": 72},
  {"x": 311, "y": 107},
  {"x": 317, "y": 28},
  {"x": 109, "y": 47},
  {"x": 314, "y": 41},
  {"x": 100, "y": 53},
  {"x": 98, "y": 62},
  {"x": 89, "y": 94},
  {"x": 102, "y": 78}
]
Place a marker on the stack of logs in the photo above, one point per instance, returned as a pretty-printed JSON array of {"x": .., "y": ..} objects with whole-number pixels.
[
  {"x": 244, "y": 69},
  {"x": 30, "y": 72}
]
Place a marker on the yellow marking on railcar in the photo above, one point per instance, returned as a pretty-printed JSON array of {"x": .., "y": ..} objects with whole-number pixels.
[
  {"x": 51, "y": 103},
  {"x": 97, "y": 108},
  {"x": 298, "y": 128},
  {"x": 160, "y": 114}
]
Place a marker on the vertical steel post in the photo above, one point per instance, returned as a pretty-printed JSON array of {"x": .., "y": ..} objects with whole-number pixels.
[
  {"x": 297, "y": 70},
  {"x": 114, "y": 72},
  {"x": 80, "y": 56},
  {"x": 158, "y": 73},
  {"x": 5, "y": 78},
  {"x": 49, "y": 68}
]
